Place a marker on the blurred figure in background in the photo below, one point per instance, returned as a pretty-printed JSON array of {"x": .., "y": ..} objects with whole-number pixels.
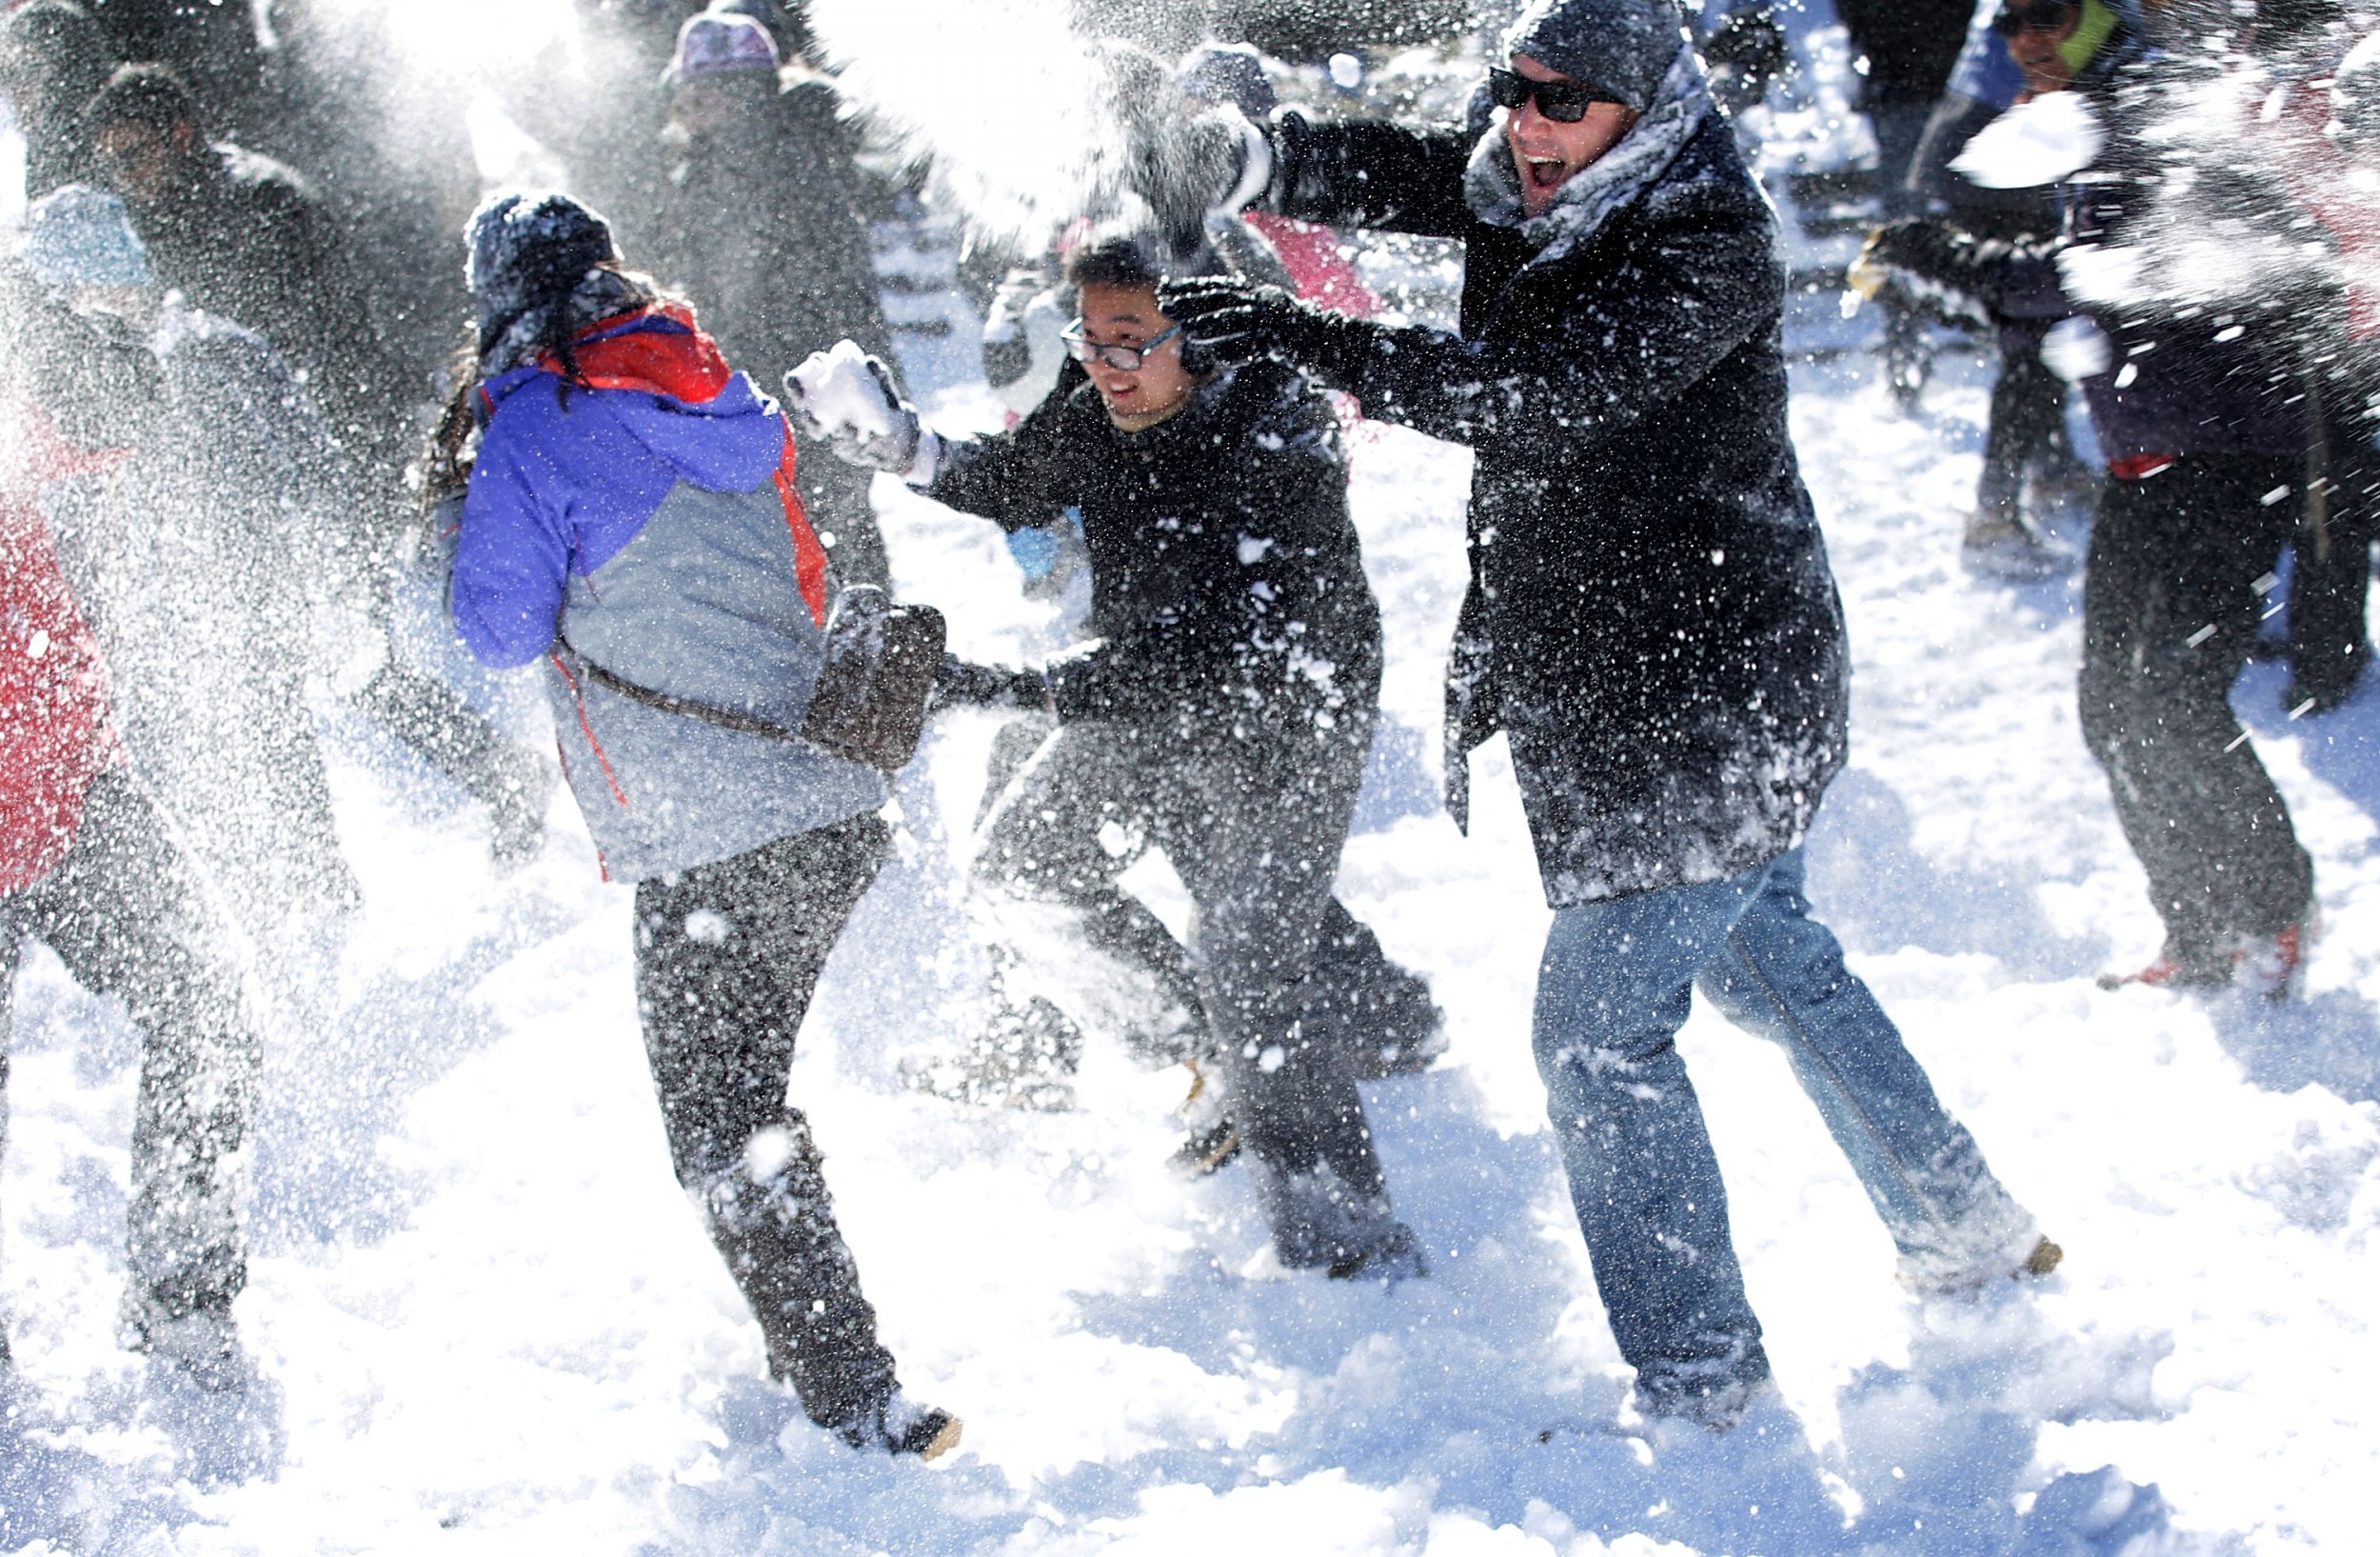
[
  {"x": 2030, "y": 468},
  {"x": 1906, "y": 50},
  {"x": 246, "y": 240},
  {"x": 219, "y": 576},
  {"x": 52, "y": 57},
  {"x": 759, "y": 219},
  {"x": 88, "y": 869}
]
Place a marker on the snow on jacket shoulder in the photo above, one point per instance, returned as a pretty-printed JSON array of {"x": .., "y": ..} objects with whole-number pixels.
[{"x": 644, "y": 521}]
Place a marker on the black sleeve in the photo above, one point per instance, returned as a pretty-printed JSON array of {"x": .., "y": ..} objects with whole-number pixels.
[
  {"x": 1282, "y": 518},
  {"x": 1702, "y": 276},
  {"x": 1018, "y": 479},
  {"x": 1369, "y": 173}
]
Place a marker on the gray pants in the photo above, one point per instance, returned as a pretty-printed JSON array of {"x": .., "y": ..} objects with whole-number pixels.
[
  {"x": 1254, "y": 828},
  {"x": 121, "y": 914}
]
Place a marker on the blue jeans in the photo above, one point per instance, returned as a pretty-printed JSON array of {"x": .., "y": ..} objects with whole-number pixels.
[{"x": 1616, "y": 986}]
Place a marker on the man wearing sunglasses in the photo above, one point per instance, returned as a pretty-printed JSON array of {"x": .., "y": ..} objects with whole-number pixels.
[{"x": 1652, "y": 623}]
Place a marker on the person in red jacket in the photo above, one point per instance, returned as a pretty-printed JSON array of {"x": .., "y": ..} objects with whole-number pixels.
[{"x": 87, "y": 868}]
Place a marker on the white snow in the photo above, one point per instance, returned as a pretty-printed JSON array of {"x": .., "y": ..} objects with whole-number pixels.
[
  {"x": 2040, "y": 142},
  {"x": 486, "y": 1320}
]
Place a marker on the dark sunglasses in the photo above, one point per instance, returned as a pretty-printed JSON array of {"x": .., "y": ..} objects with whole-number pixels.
[
  {"x": 2043, "y": 14},
  {"x": 1564, "y": 102},
  {"x": 1124, "y": 359}
]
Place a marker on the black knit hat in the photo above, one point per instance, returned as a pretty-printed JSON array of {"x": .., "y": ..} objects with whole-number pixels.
[
  {"x": 527, "y": 250},
  {"x": 1624, "y": 48}
]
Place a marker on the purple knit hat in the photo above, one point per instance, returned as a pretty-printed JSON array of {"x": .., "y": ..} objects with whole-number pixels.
[{"x": 721, "y": 43}]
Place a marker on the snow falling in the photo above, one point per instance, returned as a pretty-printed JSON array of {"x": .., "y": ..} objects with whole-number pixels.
[{"x": 481, "y": 1316}]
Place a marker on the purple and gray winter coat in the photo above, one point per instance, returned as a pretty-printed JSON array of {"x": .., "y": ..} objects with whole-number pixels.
[{"x": 644, "y": 520}]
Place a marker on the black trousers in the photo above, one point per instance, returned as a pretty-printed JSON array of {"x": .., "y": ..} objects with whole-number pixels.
[
  {"x": 728, "y": 957},
  {"x": 1254, "y": 828},
  {"x": 2169, "y": 605},
  {"x": 121, "y": 914},
  {"x": 2330, "y": 641}
]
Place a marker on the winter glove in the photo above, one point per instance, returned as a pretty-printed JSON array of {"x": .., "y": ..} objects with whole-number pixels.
[
  {"x": 964, "y": 683},
  {"x": 1917, "y": 246},
  {"x": 1227, "y": 321},
  {"x": 849, "y": 399}
]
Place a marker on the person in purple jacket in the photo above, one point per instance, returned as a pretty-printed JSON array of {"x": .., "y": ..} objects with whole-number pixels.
[{"x": 632, "y": 520}]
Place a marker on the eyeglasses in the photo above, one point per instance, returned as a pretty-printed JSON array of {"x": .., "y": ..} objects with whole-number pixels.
[
  {"x": 2041, "y": 15},
  {"x": 1564, "y": 102},
  {"x": 1124, "y": 359}
]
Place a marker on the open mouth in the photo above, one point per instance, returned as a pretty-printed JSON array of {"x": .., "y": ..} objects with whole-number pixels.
[{"x": 1545, "y": 173}]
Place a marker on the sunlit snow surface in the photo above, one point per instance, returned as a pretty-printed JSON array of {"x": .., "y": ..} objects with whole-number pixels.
[{"x": 485, "y": 1321}]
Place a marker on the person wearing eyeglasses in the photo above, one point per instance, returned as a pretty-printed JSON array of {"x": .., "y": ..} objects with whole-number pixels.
[
  {"x": 1652, "y": 621},
  {"x": 1221, "y": 712}
]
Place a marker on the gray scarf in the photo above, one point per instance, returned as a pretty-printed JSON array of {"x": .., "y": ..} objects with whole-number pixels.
[{"x": 1492, "y": 184}]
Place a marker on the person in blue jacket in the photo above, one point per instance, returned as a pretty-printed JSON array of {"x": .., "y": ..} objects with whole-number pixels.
[{"x": 631, "y": 521}]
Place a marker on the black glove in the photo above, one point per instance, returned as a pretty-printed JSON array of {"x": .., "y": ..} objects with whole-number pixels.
[
  {"x": 1922, "y": 246},
  {"x": 962, "y": 683},
  {"x": 1228, "y": 321}
]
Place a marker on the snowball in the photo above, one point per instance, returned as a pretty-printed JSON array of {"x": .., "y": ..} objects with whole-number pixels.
[
  {"x": 2040, "y": 142},
  {"x": 839, "y": 392},
  {"x": 2075, "y": 350}
]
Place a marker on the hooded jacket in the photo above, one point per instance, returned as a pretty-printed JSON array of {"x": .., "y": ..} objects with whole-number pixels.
[
  {"x": 645, "y": 519},
  {"x": 1650, "y": 616}
]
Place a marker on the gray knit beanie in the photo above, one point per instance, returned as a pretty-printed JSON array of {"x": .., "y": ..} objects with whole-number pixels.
[{"x": 1624, "y": 48}]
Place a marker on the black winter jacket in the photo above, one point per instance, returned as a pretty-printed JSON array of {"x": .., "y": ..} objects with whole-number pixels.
[
  {"x": 1651, "y": 617},
  {"x": 1227, "y": 587}
]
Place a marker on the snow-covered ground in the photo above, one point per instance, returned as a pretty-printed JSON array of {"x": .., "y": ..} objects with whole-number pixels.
[{"x": 485, "y": 1321}]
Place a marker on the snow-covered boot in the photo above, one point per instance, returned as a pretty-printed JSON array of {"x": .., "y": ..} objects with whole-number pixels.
[
  {"x": 897, "y": 1425},
  {"x": 1940, "y": 1277}
]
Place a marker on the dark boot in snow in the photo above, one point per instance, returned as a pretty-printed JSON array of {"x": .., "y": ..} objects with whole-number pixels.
[
  {"x": 1381, "y": 1014},
  {"x": 897, "y": 1424}
]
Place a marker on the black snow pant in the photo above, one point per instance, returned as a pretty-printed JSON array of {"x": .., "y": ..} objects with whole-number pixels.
[
  {"x": 2026, "y": 430},
  {"x": 1253, "y": 827},
  {"x": 728, "y": 957},
  {"x": 120, "y": 913},
  {"x": 2170, "y": 607},
  {"x": 2330, "y": 641}
]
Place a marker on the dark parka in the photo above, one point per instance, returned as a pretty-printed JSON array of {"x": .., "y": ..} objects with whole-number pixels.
[
  {"x": 1650, "y": 616},
  {"x": 1227, "y": 586}
]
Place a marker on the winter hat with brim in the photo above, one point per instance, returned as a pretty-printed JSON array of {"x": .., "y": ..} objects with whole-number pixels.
[
  {"x": 721, "y": 43},
  {"x": 527, "y": 250},
  {"x": 78, "y": 237},
  {"x": 1623, "y": 48}
]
